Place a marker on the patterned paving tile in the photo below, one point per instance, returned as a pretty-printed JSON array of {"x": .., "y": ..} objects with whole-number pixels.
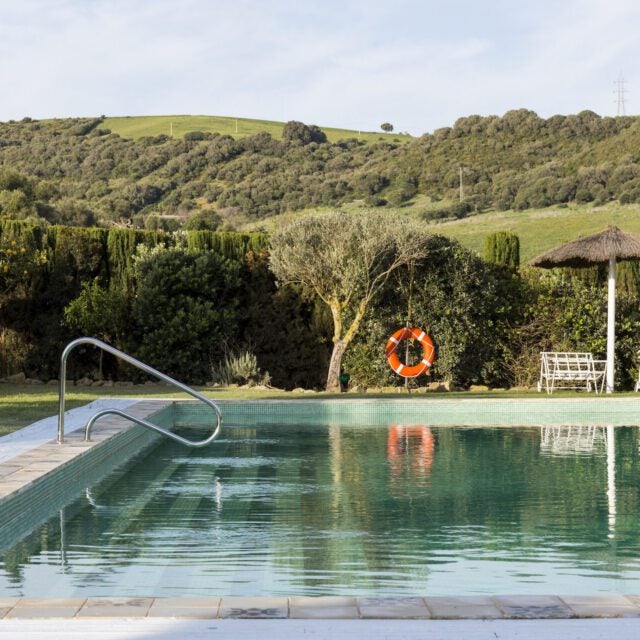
[
  {"x": 238, "y": 607},
  {"x": 115, "y": 607},
  {"x": 533, "y": 607}
]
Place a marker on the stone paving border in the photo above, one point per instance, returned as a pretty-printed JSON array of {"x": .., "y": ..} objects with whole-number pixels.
[
  {"x": 328, "y": 607},
  {"x": 30, "y": 466}
]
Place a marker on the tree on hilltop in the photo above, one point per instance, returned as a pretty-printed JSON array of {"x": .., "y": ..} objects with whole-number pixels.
[{"x": 387, "y": 127}]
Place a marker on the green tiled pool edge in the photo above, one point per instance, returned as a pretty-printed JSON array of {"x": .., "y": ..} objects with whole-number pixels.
[
  {"x": 600, "y": 411},
  {"x": 27, "y": 506}
]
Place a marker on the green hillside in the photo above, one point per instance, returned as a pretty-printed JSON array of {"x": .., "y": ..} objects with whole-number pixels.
[
  {"x": 177, "y": 126},
  {"x": 131, "y": 172}
]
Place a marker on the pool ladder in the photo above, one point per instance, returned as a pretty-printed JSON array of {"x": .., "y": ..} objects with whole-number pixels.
[{"x": 144, "y": 423}]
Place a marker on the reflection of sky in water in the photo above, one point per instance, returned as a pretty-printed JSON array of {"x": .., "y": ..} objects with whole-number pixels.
[{"x": 402, "y": 510}]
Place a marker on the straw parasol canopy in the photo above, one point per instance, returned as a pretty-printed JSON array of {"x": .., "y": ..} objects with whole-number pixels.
[
  {"x": 590, "y": 250},
  {"x": 608, "y": 246}
]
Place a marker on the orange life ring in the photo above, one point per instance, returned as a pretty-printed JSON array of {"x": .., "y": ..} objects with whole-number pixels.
[{"x": 428, "y": 352}]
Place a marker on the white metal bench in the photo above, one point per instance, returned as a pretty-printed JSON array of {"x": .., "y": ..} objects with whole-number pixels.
[{"x": 571, "y": 370}]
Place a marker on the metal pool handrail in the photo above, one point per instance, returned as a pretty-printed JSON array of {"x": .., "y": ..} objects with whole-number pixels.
[{"x": 143, "y": 367}]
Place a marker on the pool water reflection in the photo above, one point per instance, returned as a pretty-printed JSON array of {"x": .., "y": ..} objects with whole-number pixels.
[{"x": 334, "y": 509}]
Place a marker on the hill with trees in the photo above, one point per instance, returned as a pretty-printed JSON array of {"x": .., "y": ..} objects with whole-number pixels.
[{"x": 78, "y": 172}]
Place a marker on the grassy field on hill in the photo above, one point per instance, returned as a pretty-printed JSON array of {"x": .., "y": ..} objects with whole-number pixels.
[
  {"x": 538, "y": 229},
  {"x": 138, "y": 126},
  {"x": 541, "y": 229}
]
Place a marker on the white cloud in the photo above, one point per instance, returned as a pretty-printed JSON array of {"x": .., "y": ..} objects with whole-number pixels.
[{"x": 417, "y": 64}]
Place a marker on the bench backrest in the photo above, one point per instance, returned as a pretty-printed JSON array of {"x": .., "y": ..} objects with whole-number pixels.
[{"x": 567, "y": 361}]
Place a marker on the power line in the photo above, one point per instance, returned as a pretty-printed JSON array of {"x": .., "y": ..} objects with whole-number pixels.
[{"x": 620, "y": 92}]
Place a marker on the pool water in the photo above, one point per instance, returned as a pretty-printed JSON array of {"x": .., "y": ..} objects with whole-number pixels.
[{"x": 331, "y": 509}]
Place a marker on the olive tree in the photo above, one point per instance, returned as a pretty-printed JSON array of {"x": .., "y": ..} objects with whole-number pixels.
[{"x": 345, "y": 259}]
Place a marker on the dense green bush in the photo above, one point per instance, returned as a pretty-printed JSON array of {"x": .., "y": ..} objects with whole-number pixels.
[
  {"x": 185, "y": 309},
  {"x": 61, "y": 282},
  {"x": 463, "y": 303}
]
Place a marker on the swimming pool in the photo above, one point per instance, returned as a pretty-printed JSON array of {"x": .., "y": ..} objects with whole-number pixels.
[{"x": 319, "y": 509}]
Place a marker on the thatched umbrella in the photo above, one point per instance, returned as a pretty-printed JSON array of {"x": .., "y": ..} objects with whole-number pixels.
[{"x": 608, "y": 246}]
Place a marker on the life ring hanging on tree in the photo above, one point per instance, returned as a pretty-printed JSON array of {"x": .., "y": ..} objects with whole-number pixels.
[{"x": 428, "y": 352}]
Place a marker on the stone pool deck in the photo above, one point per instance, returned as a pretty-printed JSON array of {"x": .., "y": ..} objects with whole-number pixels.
[
  {"x": 328, "y": 608},
  {"x": 29, "y": 455}
]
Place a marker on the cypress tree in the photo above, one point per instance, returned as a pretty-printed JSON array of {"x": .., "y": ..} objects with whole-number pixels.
[{"x": 502, "y": 248}]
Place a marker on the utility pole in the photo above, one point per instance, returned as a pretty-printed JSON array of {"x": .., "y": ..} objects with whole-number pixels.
[
  {"x": 236, "y": 125},
  {"x": 171, "y": 129},
  {"x": 620, "y": 92}
]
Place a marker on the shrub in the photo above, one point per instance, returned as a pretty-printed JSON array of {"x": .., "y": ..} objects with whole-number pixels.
[
  {"x": 239, "y": 368},
  {"x": 185, "y": 308},
  {"x": 295, "y": 131},
  {"x": 502, "y": 248}
]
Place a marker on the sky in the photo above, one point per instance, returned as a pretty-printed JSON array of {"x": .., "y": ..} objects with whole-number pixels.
[{"x": 418, "y": 64}]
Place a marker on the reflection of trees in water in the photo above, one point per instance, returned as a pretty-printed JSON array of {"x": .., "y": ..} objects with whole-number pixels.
[
  {"x": 592, "y": 440},
  {"x": 499, "y": 481},
  {"x": 329, "y": 502}
]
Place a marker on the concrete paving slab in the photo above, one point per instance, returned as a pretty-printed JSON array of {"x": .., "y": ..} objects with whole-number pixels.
[
  {"x": 38, "y": 433},
  {"x": 463, "y": 607},
  {"x": 42, "y": 612},
  {"x": 50, "y": 602},
  {"x": 601, "y": 606}
]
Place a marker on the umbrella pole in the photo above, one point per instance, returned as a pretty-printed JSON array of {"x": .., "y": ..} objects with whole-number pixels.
[{"x": 611, "y": 325}]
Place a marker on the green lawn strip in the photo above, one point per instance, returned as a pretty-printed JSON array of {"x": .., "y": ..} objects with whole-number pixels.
[
  {"x": 178, "y": 125},
  {"x": 21, "y": 405}
]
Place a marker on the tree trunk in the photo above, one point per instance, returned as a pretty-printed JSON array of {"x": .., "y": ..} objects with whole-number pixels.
[{"x": 333, "y": 377}]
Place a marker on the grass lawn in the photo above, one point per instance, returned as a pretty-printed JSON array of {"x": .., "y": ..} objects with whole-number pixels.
[
  {"x": 541, "y": 229},
  {"x": 21, "y": 405},
  {"x": 138, "y": 126},
  {"x": 538, "y": 229}
]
